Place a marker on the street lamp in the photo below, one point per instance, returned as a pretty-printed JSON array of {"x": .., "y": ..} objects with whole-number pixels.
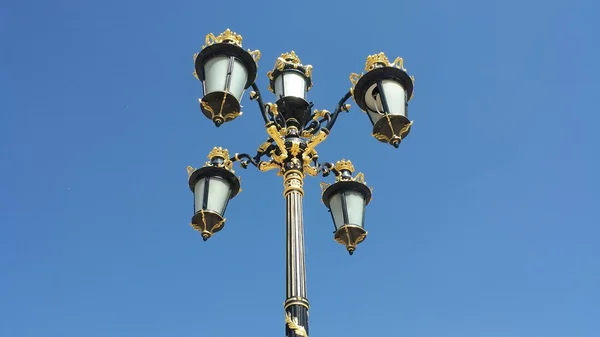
[
  {"x": 294, "y": 131},
  {"x": 213, "y": 186},
  {"x": 347, "y": 199}
]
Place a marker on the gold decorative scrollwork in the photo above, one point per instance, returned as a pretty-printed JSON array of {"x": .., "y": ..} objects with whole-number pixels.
[
  {"x": 292, "y": 323},
  {"x": 306, "y": 134},
  {"x": 190, "y": 170},
  {"x": 320, "y": 114},
  {"x": 232, "y": 115},
  {"x": 360, "y": 178},
  {"x": 205, "y": 230},
  {"x": 344, "y": 165},
  {"x": 308, "y": 72},
  {"x": 295, "y": 149},
  {"x": 206, "y": 106},
  {"x": 316, "y": 140},
  {"x": 255, "y": 54},
  {"x": 310, "y": 170},
  {"x": 226, "y": 37},
  {"x": 273, "y": 108},
  {"x": 219, "y": 152},
  {"x": 278, "y": 139},
  {"x": 265, "y": 166},
  {"x": 347, "y": 240},
  {"x": 398, "y": 63},
  {"x": 354, "y": 77},
  {"x": 380, "y": 60}
]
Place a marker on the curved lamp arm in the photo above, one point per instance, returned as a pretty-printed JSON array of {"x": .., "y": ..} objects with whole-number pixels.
[
  {"x": 261, "y": 105},
  {"x": 340, "y": 107},
  {"x": 244, "y": 160},
  {"x": 327, "y": 168}
]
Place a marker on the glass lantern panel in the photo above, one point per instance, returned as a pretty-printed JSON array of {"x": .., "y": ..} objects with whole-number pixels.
[
  {"x": 395, "y": 96},
  {"x": 239, "y": 77},
  {"x": 337, "y": 212},
  {"x": 219, "y": 190},
  {"x": 375, "y": 116},
  {"x": 290, "y": 83},
  {"x": 355, "y": 205},
  {"x": 215, "y": 74},
  {"x": 199, "y": 194}
]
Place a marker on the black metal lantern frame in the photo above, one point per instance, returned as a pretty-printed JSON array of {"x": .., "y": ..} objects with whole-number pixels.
[
  {"x": 348, "y": 217},
  {"x": 209, "y": 206},
  {"x": 231, "y": 71},
  {"x": 294, "y": 130},
  {"x": 391, "y": 125}
]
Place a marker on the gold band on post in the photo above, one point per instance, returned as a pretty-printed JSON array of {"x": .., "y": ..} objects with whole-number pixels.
[
  {"x": 293, "y": 180},
  {"x": 295, "y": 301}
]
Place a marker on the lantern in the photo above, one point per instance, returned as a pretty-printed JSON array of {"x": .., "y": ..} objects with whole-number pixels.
[
  {"x": 226, "y": 71},
  {"x": 213, "y": 186},
  {"x": 383, "y": 93},
  {"x": 290, "y": 80},
  {"x": 346, "y": 200}
]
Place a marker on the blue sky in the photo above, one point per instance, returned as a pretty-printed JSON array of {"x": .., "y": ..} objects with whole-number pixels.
[{"x": 485, "y": 222}]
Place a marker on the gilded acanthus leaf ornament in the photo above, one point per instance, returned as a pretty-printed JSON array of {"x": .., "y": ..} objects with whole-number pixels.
[
  {"x": 190, "y": 170},
  {"x": 380, "y": 60},
  {"x": 219, "y": 152},
  {"x": 226, "y": 37},
  {"x": 292, "y": 322},
  {"x": 344, "y": 165}
]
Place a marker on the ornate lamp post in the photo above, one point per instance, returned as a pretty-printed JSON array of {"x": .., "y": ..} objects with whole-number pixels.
[{"x": 294, "y": 131}]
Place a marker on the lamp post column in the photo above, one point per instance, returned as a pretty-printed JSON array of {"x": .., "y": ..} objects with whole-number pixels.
[{"x": 296, "y": 303}]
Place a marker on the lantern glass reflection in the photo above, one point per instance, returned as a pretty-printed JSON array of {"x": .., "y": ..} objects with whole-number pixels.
[
  {"x": 212, "y": 194},
  {"x": 386, "y": 97},
  {"x": 290, "y": 83},
  {"x": 225, "y": 74},
  {"x": 347, "y": 208}
]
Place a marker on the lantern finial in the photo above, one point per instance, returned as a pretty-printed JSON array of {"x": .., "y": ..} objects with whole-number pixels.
[
  {"x": 344, "y": 165},
  {"x": 290, "y": 61},
  {"x": 226, "y": 37},
  {"x": 380, "y": 60},
  {"x": 219, "y": 157}
]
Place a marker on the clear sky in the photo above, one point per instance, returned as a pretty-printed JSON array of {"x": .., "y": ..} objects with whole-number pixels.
[{"x": 485, "y": 222}]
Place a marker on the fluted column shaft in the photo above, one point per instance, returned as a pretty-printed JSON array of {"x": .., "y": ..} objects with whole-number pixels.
[{"x": 296, "y": 303}]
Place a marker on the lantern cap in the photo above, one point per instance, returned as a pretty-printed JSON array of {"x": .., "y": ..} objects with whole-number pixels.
[
  {"x": 378, "y": 67},
  {"x": 227, "y": 43},
  {"x": 290, "y": 61},
  {"x": 345, "y": 182},
  {"x": 219, "y": 165}
]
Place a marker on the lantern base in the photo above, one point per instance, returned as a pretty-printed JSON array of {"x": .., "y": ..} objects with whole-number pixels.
[
  {"x": 391, "y": 129},
  {"x": 295, "y": 110},
  {"x": 220, "y": 107},
  {"x": 207, "y": 223},
  {"x": 350, "y": 236}
]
